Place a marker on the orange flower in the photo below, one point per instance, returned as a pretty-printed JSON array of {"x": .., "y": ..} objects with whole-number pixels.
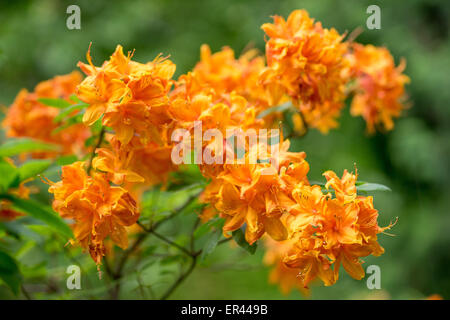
[
  {"x": 27, "y": 117},
  {"x": 287, "y": 278},
  {"x": 98, "y": 209},
  {"x": 132, "y": 96},
  {"x": 306, "y": 61},
  {"x": 380, "y": 86},
  {"x": 257, "y": 195},
  {"x": 107, "y": 161},
  {"x": 224, "y": 73},
  {"x": 328, "y": 231},
  {"x": 345, "y": 188}
]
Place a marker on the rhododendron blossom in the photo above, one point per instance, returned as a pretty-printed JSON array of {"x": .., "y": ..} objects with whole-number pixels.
[{"x": 140, "y": 126}]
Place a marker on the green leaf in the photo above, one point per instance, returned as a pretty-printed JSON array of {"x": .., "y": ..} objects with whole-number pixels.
[
  {"x": 239, "y": 237},
  {"x": 76, "y": 119},
  {"x": 65, "y": 160},
  {"x": 171, "y": 259},
  {"x": 210, "y": 244},
  {"x": 9, "y": 230},
  {"x": 187, "y": 175},
  {"x": 56, "y": 103},
  {"x": 280, "y": 108},
  {"x": 366, "y": 187},
  {"x": 68, "y": 111},
  {"x": 14, "y": 147},
  {"x": 9, "y": 272},
  {"x": 313, "y": 182},
  {"x": 74, "y": 98},
  {"x": 33, "y": 168},
  {"x": 40, "y": 212},
  {"x": 9, "y": 176},
  {"x": 206, "y": 227}
]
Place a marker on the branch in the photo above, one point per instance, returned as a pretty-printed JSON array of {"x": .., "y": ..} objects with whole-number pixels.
[
  {"x": 99, "y": 142},
  {"x": 180, "y": 279},
  {"x": 118, "y": 273},
  {"x": 177, "y": 210}
]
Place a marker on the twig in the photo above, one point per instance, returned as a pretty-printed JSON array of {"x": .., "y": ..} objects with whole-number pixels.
[
  {"x": 118, "y": 273},
  {"x": 25, "y": 292},
  {"x": 180, "y": 279},
  {"x": 170, "y": 242},
  {"x": 177, "y": 210},
  {"x": 305, "y": 124},
  {"x": 99, "y": 142}
]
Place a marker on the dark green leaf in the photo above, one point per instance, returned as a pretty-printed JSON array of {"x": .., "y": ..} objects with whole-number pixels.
[
  {"x": 9, "y": 176},
  {"x": 210, "y": 244},
  {"x": 14, "y": 147},
  {"x": 188, "y": 175},
  {"x": 10, "y": 230},
  {"x": 9, "y": 272},
  {"x": 239, "y": 237},
  {"x": 41, "y": 212},
  {"x": 206, "y": 227}
]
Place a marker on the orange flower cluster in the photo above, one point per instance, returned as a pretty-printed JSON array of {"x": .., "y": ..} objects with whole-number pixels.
[
  {"x": 27, "y": 117},
  {"x": 306, "y": 62},
  {"x": 132, "y": 99},
  {"x": 98, "y": 209},
  {"x": 329, "y": 230},
  {"x": 141, "y": 108},
  {"x": 223, "y": 73},
  {"x": 257, "y": 195},
  {"x": 380, "y": 86},
  {"x": 325, "y": 231},
  {"x": 286, "y": 278},
  {"x": 131, "y": 96}
]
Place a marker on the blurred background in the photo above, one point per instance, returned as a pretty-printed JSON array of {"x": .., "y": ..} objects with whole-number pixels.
[{"x": 413, "y": 159}]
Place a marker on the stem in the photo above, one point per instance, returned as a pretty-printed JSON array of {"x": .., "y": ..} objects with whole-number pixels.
[
  {"x": 170, "y": 242},
  {"x": 25, "y": 293},
  {"x": 180, "y": 279},
  {"x": 118, "y": 273},
  {"x": 99, "y": 142},
  {"x": 305, "y": 124},
  {"x": 176, "y": 211}
]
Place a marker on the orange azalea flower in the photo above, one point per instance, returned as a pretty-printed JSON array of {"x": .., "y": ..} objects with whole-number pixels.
[
  {"x": 224, "y": 73},
  {"x": 27, "y": 117},
  {"x": 286, "y": 278},
  {"x": 153, "y": 163},
  {"x": 257, "y": 195},
  {"x": 107, "y": 161},
  {"x": 306, "y": 61},
  {"x": 380, "y": 86},
  {"x": 98, "y": 209},
  {"x": 132, "y": 96},
  {"x": 136, "y": 163},
  {"x": 344, "y": 188},
  {"x": 328, "y": 231}
]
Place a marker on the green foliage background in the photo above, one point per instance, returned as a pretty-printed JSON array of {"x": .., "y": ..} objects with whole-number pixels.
[{"x": 413, "y": 160}]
